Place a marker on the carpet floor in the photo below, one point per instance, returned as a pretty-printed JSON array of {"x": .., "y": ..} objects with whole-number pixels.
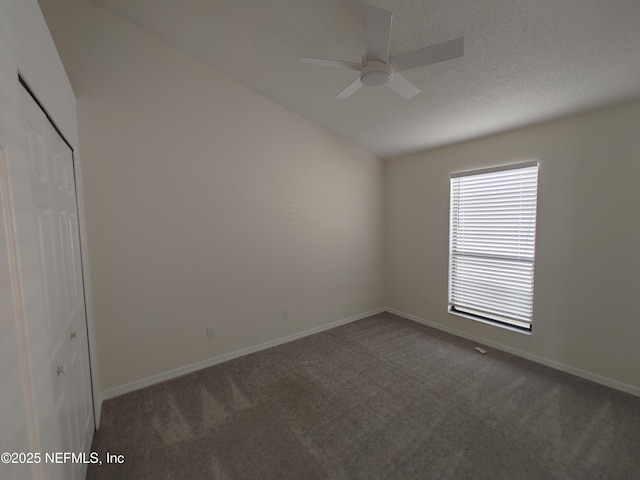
[{"x": 379, "y": 398}]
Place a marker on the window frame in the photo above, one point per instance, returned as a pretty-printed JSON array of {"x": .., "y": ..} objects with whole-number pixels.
[{"x": 477, "y": 313}]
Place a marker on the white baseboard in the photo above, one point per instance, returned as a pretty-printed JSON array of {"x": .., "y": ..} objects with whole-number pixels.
[
  {"x": 161, "y": 377},
  {"x": 535, "y": 358}
]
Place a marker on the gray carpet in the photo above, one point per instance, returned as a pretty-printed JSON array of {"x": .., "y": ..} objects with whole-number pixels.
[{"x": 380, "y": 398}]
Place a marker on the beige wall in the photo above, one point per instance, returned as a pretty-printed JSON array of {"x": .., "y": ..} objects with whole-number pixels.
[
  {"x": 587, "y": 275},
  {"x": 208, "y": 204}
]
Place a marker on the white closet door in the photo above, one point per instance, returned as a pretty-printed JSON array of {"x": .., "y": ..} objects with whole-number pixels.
[{"x": 54, "y": 195}]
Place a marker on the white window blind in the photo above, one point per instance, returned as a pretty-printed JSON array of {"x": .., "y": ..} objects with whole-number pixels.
[{"x": 492, "y": 244}]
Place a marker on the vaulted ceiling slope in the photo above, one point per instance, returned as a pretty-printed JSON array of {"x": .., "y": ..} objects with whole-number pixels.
[{"x": 524, "y": 61}]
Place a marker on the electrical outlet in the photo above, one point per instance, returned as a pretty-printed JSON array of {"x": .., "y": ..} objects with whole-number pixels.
[
  {"x": 211, "y": 332},
  {"x": 285, "y": 314},
  {"x": 425, "y": 300}
]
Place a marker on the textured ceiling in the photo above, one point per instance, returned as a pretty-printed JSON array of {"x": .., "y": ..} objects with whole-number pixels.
[{"x": 525, "y": 61}]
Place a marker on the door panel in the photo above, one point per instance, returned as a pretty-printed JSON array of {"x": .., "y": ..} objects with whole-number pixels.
[{"x": 53, "y": 190}]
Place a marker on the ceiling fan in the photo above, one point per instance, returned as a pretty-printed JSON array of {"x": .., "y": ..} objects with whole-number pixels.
[{"x": 377, "y": 69}]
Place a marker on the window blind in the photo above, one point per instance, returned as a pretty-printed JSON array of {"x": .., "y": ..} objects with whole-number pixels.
[{"x": 492, "y": 244}]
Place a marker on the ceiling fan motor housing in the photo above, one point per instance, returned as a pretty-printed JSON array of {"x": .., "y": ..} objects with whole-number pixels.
[{"x": 376, "y": 74}]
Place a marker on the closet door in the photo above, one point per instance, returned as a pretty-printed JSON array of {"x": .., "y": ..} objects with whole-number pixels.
[{"x": 54, "y": 195}]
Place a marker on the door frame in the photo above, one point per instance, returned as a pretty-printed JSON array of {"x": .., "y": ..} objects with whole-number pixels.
[
  {"x": 28, "y": 90},
  {"x": 27, "y": 51}
]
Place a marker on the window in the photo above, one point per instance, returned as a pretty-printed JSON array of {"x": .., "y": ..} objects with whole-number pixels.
[{"x": 492, "y": 232}]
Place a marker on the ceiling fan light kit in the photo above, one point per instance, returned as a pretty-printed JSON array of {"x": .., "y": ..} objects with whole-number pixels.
[
  {"x": 378, "y": 69},
  {"x": 376, "y": 74}
]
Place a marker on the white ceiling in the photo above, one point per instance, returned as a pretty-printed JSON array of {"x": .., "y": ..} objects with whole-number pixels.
[{"x": 525, "y": 61}]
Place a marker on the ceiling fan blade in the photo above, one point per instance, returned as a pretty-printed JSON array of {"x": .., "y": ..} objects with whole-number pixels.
[
  {"x": 352, "y": 88},
  {"x": 331, "y": 63},
  {"x": 429, "y": 55},
  {"x": 403, "y": 87},
  {"x": 378, "y": 34}
]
